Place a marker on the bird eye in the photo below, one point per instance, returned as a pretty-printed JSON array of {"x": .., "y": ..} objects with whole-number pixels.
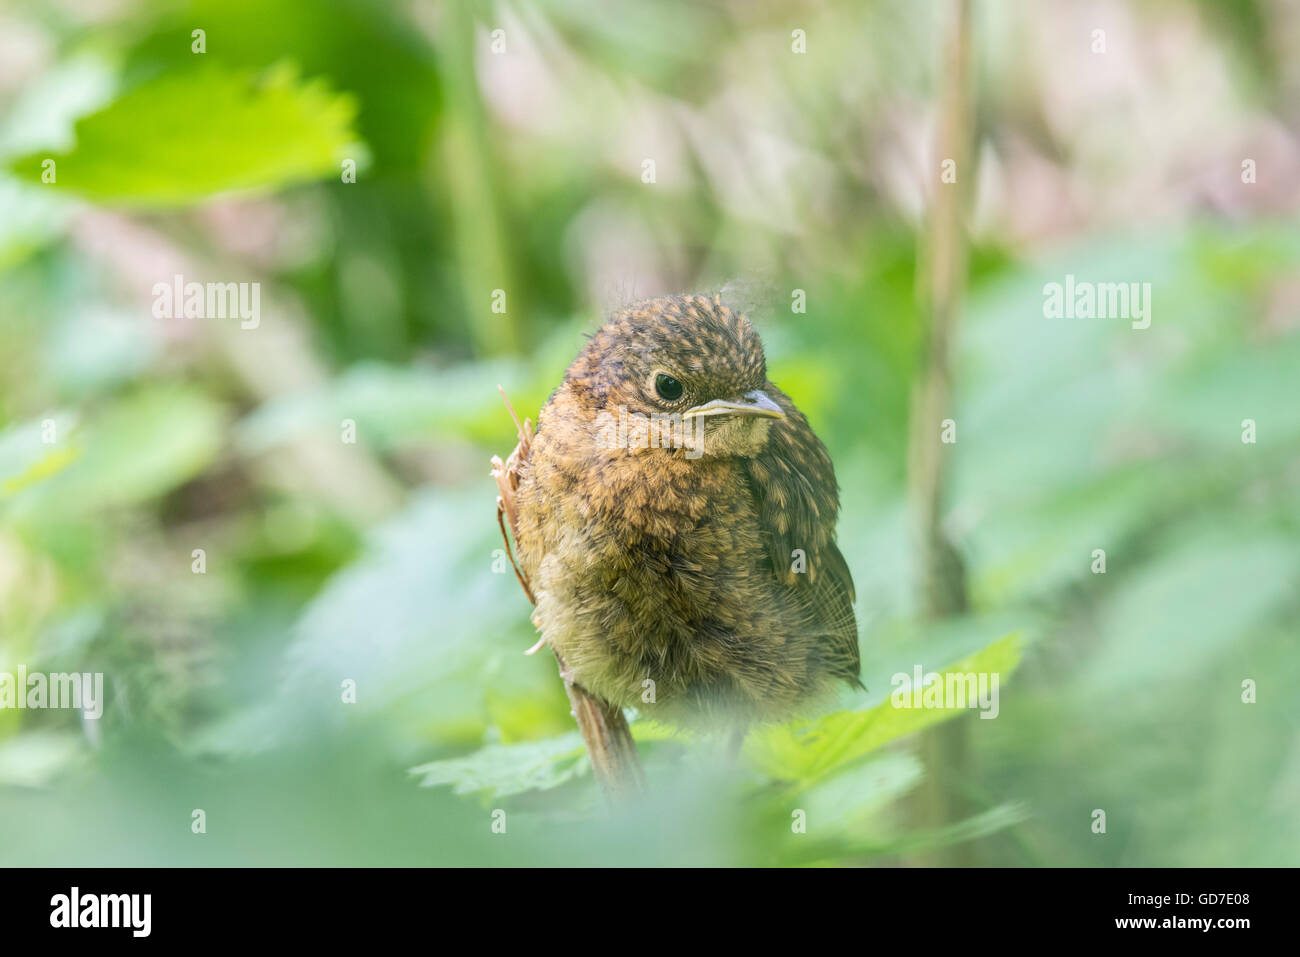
[{"x": 668, "y": 387}]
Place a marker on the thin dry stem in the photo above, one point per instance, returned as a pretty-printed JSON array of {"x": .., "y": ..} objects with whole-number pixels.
[{"x": 943, "y": 585}]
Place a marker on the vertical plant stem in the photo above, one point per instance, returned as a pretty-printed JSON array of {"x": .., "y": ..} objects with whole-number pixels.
[
  {"x": 943, "y": 578},
  {"x": 468, "y": 175}
]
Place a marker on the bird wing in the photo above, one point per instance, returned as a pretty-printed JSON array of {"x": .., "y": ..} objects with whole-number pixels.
[{"x": 793, "y": 483}]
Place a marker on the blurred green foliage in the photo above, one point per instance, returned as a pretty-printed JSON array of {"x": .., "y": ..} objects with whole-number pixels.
[{"x": 375, "y": 562}]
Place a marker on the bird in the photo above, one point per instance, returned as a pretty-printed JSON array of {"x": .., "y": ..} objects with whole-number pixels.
[{"x": 676, "y": 522}]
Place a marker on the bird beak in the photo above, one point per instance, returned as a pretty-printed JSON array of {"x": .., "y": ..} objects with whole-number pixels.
[{"x": 753, "y": 403}]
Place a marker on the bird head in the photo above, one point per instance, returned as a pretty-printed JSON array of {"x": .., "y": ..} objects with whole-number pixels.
[{"x": 683, "y": 372}]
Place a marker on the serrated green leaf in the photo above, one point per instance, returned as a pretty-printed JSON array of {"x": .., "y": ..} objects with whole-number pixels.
[
  {"x": 500, "y": 770},
  {"x": 183, "y": 137},
  {"x": 810, "y": 751}
]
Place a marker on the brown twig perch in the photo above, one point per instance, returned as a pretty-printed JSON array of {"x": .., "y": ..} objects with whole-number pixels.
[{"x": 610, "y": 747}]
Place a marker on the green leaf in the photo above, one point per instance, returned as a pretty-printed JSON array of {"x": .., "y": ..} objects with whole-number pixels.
[
  {"x": 500, "y": 770},
  {"x": 26, "y": 459},
  {"x": 988, "y": 822},
  {"x": 141, "y": 447},
  {"x": 810, "y": 751},
  {"x": 393, "y": 406},
  {"x": 1172, "y": 618},
  {"x": 36, "y": 758},
  {"x": 183, "y": 137},
  {"x": 32, "y": 219},
  {"x": 844, "y": 800}
]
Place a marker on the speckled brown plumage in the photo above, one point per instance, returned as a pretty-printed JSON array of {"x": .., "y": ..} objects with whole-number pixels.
[{"x": 674, "y": 567}]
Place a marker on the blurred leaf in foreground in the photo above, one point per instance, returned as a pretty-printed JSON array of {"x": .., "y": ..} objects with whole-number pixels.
[{"x": 804, "y": 753}]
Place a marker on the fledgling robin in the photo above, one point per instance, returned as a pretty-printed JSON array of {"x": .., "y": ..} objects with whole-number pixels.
[{"x": 669, "y": 495}]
